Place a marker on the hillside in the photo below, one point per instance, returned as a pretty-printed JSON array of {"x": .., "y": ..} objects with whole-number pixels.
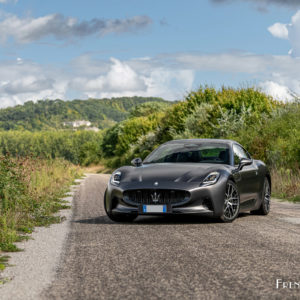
[{"x": 51, "y": 114}]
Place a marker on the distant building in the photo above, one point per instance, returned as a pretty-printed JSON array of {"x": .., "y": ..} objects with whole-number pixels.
[
  {"x": 92, "y": 129},
  {"x": 78, "y": 123}
]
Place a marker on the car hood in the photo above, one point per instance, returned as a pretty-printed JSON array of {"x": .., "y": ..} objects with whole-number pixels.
[{"x": 174, "y": 172}]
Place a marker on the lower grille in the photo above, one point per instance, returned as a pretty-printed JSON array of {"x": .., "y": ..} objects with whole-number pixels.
[{"x": 151, "y": 196}]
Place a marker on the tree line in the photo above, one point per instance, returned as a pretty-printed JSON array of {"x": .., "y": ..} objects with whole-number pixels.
[{"x": 51, "y": 114}]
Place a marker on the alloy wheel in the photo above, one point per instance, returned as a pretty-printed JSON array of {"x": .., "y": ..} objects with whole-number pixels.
[{"x": 231, "y": 203}]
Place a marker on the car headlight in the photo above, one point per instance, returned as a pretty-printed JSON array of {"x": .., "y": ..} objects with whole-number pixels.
[
  {"x": 210, "y": 179},
  {"x": 115, "y": 178}
]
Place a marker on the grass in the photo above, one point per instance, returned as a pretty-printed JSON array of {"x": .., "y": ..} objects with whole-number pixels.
[
  {"x": 98, "y": 169},
  {"x": 286, "y": 184},
  {"x": 30, "y": 194},
  {"x": 3, "y": 262}
]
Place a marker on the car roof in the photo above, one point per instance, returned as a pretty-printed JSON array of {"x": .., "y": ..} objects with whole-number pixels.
[{"x": 202, "y": 141}]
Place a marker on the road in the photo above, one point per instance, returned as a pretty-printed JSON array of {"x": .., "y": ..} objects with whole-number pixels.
[{"x": 176, "y": 258}]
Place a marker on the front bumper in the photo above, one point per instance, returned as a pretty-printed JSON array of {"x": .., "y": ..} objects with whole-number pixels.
[{"x": 206, "y": 200}]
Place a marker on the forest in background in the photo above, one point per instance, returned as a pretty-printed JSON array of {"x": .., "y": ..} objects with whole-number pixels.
[{"x": 51, "y": 114}]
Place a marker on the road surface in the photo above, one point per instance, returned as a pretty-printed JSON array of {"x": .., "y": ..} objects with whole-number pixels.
[{"x": 176, "y": 258}]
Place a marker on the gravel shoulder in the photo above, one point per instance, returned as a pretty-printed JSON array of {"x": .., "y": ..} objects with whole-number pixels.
[{"x": 33, "y": 269}]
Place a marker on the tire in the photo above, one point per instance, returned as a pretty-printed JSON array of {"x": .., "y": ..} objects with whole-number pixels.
[
  {"x": 266, "y": 200},
  {"x": 124, "y": 218},
  {"x": 231, "y": 203}
]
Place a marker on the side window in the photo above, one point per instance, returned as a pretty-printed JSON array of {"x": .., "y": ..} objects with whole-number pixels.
[{"x": 239, "y": 153}]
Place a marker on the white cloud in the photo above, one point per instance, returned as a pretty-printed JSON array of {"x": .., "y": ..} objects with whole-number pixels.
[
  {"x": 225, "y": 62},
  {"x": 170, "y": 78},
  {"x": 6, "y": 1},
  {"x": 26, "y": 30},
  {"x": 289, "y": 31},
  {"x": 279, "y": 76},
  {"x": 279, "y": 30},
  {"x": 126, "y": 79},
  {"x": 119, "y": 78},
  {"x": 169, "y": 84},
  {"x": 122, "y": 78},
  {"x": 22, "y": 80},
  {"x": 292, "y": 3},
  {"x": 276, "y": 90}
]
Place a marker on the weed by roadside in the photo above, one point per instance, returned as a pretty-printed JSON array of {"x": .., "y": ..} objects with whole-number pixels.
[
  {"x": 30, "y": 193},
  {"x": 286, "y": 184},
  {"x": 98, "y": 169},
  {"x": 3, "y": 262}
]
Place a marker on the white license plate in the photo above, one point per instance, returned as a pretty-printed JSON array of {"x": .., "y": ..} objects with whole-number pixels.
[{"x": 154, "y": 208}]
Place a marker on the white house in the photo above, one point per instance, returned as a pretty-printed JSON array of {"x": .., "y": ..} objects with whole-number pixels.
[{"x": 78, "y": 123}]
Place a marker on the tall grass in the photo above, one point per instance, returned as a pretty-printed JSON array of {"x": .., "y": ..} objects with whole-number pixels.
[
  {"x": 30, "y": 193},
  {"x": 286, "y": 184}
]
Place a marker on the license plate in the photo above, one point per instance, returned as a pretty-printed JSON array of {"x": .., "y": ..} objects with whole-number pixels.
[{"x": 154, "y": 208}]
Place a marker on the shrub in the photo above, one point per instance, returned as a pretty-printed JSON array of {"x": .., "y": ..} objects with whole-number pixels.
[{"x": 30, "y": 192}]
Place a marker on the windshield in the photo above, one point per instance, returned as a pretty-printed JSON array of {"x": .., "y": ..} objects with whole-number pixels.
[{"x": 189, "y": 153}]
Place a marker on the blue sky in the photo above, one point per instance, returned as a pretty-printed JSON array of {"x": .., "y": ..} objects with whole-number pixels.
[{"x": 82, "y": 49}]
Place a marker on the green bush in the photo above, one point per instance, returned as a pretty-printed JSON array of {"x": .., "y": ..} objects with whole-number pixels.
[
  {"x": 119, "y": 141},
  {"x": 213, "y": 113},
  {"x": 205, "y": 113},
  {"x": 276, "y": 138}
]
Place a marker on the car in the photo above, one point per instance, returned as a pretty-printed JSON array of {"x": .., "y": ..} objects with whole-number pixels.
[{"x": 211, "y": 177}]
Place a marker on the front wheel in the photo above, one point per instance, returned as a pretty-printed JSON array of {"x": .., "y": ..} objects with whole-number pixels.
[
  {"x": 124, "y": 218},
  {"x": 231, "y": 202}
]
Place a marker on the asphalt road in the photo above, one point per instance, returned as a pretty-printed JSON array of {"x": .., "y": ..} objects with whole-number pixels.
[{"x": 176, "y": 258}]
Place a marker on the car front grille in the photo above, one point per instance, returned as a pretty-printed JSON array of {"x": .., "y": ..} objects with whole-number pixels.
[{"x": 151, "y": 196}]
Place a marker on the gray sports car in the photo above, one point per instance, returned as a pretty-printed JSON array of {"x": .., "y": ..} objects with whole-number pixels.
[{"x": 198, "y": 176}]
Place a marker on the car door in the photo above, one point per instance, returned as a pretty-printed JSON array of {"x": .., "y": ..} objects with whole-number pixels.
[{"x": 247, "y": 178}]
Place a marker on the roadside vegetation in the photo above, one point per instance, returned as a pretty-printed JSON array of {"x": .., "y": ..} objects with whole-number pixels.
[
  {"x": 78, "y": 147},
  {"x": 30, "y": 193}
]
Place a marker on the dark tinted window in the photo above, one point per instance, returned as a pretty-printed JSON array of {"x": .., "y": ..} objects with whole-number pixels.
[{"x": 186, "y": 153}]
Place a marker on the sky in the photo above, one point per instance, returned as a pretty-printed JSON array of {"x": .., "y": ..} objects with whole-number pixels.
[{"x": 95, "y": 49}]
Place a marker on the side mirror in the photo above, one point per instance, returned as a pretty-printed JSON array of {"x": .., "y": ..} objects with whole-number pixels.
[
  {"x": 244, "y": 162},
  {"x": 137, "y": 162}
]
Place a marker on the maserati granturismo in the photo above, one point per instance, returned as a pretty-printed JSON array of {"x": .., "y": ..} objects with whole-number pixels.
[{"x": 212, "y": 177}]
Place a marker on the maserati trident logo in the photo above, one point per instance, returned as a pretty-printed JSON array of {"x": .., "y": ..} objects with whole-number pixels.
[
  {"x": 156, "y": 183},
  {"x": 155, "y": 197}
]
